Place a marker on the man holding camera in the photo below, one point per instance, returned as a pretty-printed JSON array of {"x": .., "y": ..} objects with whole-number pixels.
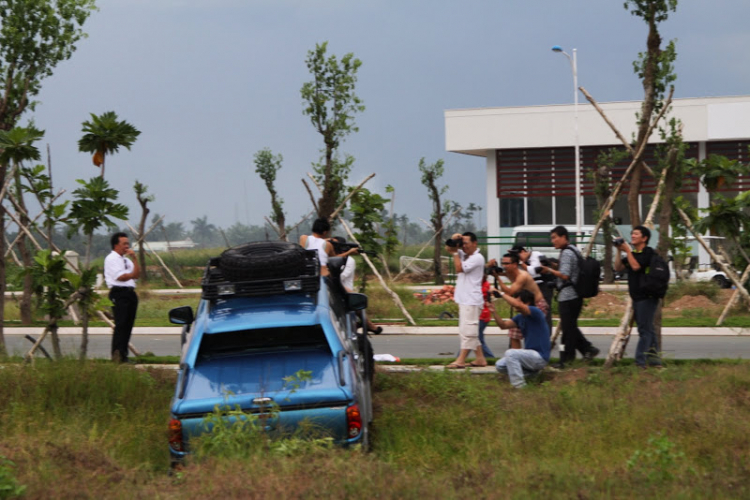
[
  {"x": 530, "y": 321},
  {"x": 532, "y": 262},
  {"x": 637, "y": 261},
  {"x": 469, "y": 265},
  {"x": 569, "y": 303},
  {"x": 347, "y": 274},
  {"x": 520, "y": 280}
]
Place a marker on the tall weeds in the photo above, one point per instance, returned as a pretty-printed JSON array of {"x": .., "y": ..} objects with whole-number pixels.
[{"x": 94, "y": 430}]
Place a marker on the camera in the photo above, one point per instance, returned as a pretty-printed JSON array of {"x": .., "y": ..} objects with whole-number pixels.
[
  {"x": 545, "y": 262},
  {"x": 618, "y": 241},
  {"x": 490, "y": 294},
  {"x": 339, "y": 247},
  {"x": 495, "y": 269},
  {"x": 454, "y": 243}
]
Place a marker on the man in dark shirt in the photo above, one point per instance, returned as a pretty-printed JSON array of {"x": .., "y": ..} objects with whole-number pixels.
[
  {"x": 533, "y": 325},
  {"x": 636, "y": 261},
  {"x": 569, "y": 304}
]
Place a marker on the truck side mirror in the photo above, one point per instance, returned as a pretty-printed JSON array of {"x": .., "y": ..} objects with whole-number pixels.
[
  {"x": 181, "y": 315},
  {"x": 356, "y": 301}
]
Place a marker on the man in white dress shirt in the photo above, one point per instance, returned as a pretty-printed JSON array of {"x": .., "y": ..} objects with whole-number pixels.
[{"x": 120, "y": 273}]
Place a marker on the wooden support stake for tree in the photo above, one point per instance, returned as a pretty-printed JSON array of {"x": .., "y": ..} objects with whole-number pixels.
[
  {"x": 70, "y": 263},
  {"x": 153, "y": 226},
  {"x": 617, "y": 349},
  {"x": 385, "y": 267},
  {"x": 12, "y": 253},
  {"x": 348, "y": 197},
  {"x": 148, "y": 247},
  {"x": 18, "y": 236},
  {"x": 30, "y": 355},
  {"x": 624, "y": 141},
  {"x": 735, "y": 297},
  {"x": 22, "y": 227},
  {"x": 7, "y": 182},
  {"x": 300, "y": 222},
  {"x": 394, "y": 295},
  {"x": 276, "y": 229},
  {"x": 429, "y": 242},
  {"x": 724, "y": 266},
  {"x": 619, "y": 343},
  {"x": 312, "y": 198}
]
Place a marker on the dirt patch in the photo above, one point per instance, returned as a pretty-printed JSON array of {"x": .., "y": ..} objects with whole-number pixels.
[
  {"x": 568, "y": 376},
  {"x": 605, "y": 304},
  {"x": 612, "y": 305},
  {"x": 416, "y": 278},
  {"x": 693, "y": 303}
]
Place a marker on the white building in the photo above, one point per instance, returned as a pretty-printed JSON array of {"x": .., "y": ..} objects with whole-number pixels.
[
  {"x": 529, "y": 155},
  {"x": 164, "y": 246}
]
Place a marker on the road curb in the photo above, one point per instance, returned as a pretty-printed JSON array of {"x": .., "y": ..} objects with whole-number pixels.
[{"x": 403, "y": 330}]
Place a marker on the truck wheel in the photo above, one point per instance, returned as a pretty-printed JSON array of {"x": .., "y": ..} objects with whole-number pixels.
[{"x": 262, "y": 260}]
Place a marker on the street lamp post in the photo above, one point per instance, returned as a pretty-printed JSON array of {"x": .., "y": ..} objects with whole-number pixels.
[{"x": 574, "y": 66}]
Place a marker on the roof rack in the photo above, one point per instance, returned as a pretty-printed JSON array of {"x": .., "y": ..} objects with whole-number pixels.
[{"x": 214, "y": 285}]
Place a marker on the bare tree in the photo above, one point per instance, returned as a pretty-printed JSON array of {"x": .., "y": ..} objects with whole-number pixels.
[
  {"x": 143, "y": 200},
  {"x": 430, "y": 175}
]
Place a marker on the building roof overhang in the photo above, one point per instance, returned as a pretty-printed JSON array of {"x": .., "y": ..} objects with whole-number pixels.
[{"x": 478, "y": 131}]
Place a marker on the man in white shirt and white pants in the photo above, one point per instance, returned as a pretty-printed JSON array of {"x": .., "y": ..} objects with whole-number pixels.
[
  {"x": 120, "y": 274},
  {"x": 469, "y": 265}
]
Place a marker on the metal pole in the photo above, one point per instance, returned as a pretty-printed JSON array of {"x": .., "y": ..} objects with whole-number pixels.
[{"x": 579, "y": 214}]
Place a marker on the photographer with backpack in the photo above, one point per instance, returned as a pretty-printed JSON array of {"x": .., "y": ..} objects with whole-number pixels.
[
  {"x": 647, "y": 285},
  {"x": 570, "y": 286}
]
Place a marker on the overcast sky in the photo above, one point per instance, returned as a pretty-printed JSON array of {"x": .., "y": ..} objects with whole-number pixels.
[{"x": 211, "y": 82}]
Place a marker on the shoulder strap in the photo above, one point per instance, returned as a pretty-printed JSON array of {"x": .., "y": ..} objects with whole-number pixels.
[{"x": 569, "y": 281}]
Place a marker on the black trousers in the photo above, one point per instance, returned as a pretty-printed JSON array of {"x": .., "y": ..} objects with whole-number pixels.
[
  {"x": 572, "y": 338},
  {"x": 125, "y": 302}
]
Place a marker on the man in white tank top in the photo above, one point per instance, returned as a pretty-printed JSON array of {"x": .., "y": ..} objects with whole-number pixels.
[{"x": 318, "y": 240}]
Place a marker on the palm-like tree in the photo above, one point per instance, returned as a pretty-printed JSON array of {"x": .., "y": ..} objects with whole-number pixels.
[
  {"x": 104, "y": 135},
  {"x": 203, "y": 231},
  {"x": 17, "y": 146}
]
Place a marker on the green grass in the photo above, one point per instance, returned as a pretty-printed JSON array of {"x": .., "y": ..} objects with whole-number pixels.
[
  {"x": 96, "y": 430},
  {"x": 153, "y": 309}
]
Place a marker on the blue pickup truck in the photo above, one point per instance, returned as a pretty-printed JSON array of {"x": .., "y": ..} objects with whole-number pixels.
[{"x": 265, "y": 314}]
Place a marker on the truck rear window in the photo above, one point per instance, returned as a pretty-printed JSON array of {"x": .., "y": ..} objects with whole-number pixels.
[{"x": 263, "y": 339}]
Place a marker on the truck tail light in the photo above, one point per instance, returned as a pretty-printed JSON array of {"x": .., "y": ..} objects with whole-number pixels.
[
  {"x": 175, "y": 435},
  {"x": 353, "y": 421}
]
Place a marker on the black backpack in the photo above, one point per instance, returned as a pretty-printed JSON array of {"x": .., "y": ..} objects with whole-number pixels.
[
  {"x": 654, "y": 282},
  {"x": 589, "y": 272}
]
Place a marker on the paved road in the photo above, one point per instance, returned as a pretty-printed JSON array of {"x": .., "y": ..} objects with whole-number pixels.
[{"x": 419, "y": 346}]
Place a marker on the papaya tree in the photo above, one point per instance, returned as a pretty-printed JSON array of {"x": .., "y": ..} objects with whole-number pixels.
[
  {"x": 94, "y": 207},
  {"x": 104, "y": 135}
]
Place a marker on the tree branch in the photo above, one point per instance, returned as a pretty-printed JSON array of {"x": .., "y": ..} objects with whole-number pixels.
[
  {"x": 353, "y": 192},
  {"x": 312, "y": 198},
  {"x": 273, "y": 226}
]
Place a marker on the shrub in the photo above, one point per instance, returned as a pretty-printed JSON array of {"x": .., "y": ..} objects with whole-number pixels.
[
  {"x": 9, "y": 487},
  {"x": 693, "y": 288}
]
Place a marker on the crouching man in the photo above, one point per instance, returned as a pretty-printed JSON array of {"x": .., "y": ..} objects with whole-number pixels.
[{"x": 533, "y": 325}]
